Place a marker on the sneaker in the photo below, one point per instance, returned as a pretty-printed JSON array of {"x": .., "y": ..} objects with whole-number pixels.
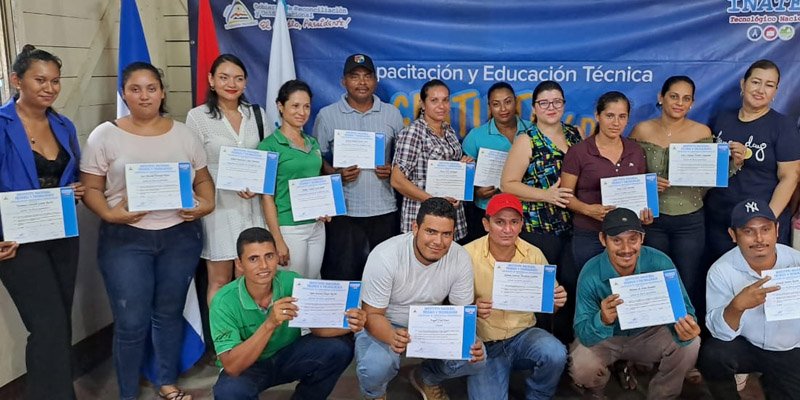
[
  {"x": 741, "y": 381},
  {"x": 428, "y": 392}
]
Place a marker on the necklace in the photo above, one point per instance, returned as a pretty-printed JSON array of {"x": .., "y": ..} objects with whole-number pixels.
[{"x": 667, "y": 130}]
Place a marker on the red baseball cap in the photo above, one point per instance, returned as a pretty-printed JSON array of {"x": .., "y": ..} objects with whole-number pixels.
[{"x": 501, "y": 201}]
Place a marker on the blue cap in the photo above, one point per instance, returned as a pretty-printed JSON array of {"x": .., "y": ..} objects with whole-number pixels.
[{"x": 748, "y": 209}]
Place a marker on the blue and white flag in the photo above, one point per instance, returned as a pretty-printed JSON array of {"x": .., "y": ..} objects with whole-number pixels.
[
  {"x": 133, "y": 47},
  {"x": 281, "y": 63}
]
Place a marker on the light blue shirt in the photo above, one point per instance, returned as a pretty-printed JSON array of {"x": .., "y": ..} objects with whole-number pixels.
[
  {"x": 488, "y": 136},
  {"x": 367, "y": 196},
  {"x": 726, "y": 278}
]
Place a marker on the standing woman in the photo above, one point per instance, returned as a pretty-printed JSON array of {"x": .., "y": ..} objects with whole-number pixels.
[
  {"x": 147, "y": 258},
  {"x": 605, "y": 154},
  {"x": 532, "y": 174},
  {"x": 770, "y": 171},
  {"x": 300, "y": 244},
  {"x": 496, "y": 134},
  {"x": 39, "y": 150},
  {"x": 429, "y": 137},
  {"x": 679, "y": 231},
  {"x": 226, "y": 119}
]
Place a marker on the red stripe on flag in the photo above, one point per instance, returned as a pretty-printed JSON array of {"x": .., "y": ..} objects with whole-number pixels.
[{"x": 207, "y": 49}]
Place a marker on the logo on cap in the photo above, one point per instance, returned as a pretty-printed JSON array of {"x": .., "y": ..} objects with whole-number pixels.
[
  {"x": 359, "y": 58},
  {"x": 751, "y": 207}
]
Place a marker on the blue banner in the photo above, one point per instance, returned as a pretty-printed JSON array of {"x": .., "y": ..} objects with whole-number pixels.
[{"x": 590, "y": 47}]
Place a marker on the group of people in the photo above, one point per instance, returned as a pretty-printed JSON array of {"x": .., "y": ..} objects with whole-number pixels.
[{"x": 547, "y": 209}]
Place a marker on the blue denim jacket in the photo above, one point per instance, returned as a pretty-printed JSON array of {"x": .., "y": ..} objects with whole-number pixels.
[{"x": 17, "y": 167}]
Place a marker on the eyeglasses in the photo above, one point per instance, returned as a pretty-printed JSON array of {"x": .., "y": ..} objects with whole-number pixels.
[{"x": 545, "y": 104}]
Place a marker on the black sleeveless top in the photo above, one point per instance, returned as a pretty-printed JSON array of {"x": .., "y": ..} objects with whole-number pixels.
[{"x": 50, "y": 171}]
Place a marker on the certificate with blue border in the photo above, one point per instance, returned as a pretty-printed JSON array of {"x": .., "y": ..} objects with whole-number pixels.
[
  {"x": 649, "y": 299},
  {"x": 634, "y": 192},
  {"x": 360, "y": 148},
  {"x": 316, "y": 197},
  {"x": 159, "y": 186},
  {"x": 524, "y": 287},
  {"x": 252, "y": 169},
  {"x": 36, "y": 215},
  {"x": 441, "y": 332},
  {"x": 699, "y": 164},
  {"x": 322, "y": 303},
  {"x": 450, "y": 179}
]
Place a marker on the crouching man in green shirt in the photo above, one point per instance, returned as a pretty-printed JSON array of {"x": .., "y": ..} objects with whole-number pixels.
[{"x": 255, "y": 345}]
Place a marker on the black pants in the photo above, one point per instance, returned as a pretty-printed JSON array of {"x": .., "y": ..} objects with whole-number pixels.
[
  {"x": 558, "y": 250},
  {"x": 720, "y": 360},
  {"x": 348, "y": 241},
  {"x": 41, "y": 281},
  {"x": 474, "y": 215}
]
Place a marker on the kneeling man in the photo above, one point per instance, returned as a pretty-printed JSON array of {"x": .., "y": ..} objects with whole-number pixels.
[
  {"x": 512, "y": 340},
  {"x": 743, "y": 341},
  {"x": 421, "y": 267},
  {"x": 600, "y": 340},
  {"x": 256, "y": 347}
]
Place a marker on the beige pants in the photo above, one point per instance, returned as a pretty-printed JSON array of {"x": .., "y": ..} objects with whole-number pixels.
[{"x": 589, "y": 365}]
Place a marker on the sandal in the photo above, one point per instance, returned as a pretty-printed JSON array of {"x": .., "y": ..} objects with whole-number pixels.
[
  {"x": 175, "y": 395},
  {"x": 625, "y": 375}
]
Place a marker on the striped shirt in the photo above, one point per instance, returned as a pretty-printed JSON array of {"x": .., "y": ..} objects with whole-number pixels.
[{"x": 368, "y": 195}]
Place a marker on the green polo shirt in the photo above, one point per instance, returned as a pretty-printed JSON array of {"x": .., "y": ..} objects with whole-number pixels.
[
  {"x": 234, "y": 315},
  {"x": 293, "y": 163}
]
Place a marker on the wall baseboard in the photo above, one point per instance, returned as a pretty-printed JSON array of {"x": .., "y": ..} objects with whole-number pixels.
[{"x": 86, "y": 355}]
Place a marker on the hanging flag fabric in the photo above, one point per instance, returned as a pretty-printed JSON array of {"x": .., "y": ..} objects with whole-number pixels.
[
  {"x": 133, "y": 47},
  {"x": 281, "y": 63},
  {"x": 207, "y": 49}
]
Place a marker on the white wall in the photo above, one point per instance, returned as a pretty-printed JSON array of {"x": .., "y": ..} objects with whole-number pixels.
[{"x": 85, "y": 35}]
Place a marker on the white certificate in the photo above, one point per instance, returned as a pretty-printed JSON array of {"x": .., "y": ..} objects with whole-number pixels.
[
  {"x": 241, "y": 169},
  {"x": 698, "y": 164},
  {"x": 634, "y": 192},
  {"x": 36, "y": 215},
  {"x": 785, "y": 302},
  {"x": 364, "y": 149},
  {"x": 650, "y": 299},
  {"x": 322, "y": 303},
  {"x": 441, "y": 332},
  {"x": 316, "y": 197},
  {"x": 489, "y": 167},
  {"x": 450, "y": 179},
  {"x": 159, "y": 186},
  {"x": 523, "y": 287}
]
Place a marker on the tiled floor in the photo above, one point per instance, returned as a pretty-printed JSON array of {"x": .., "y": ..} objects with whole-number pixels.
[{"x": 101, "y": 384}]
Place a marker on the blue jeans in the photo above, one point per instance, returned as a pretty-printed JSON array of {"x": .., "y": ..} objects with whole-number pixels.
[
  {"x": 585, "y": 245},
  {"x": 683, "y": 239},
  {"x": 314, "y": 361},
  {"x": 533, "y": 350},
  {"x": 147, "y": 274},
  {"x": 377, "y": 364}
]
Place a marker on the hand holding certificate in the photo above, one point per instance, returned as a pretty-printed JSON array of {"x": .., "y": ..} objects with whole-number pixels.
[
  {"x": 159, "y": 186},
  {"x": 241, "y": 169},
  {"x": 634, "y": 192},
  {"x": 524, "y": 287},
  {"x": 489, "y": 167},
  {"x": 783, "y": 303},
  {"x": 37, "y": 215},
  {"x": 450, "y": 179},
  {"x": 649, "y": 299},
  {"x": 322, "y": 303},
  {"x": 441, "y": 332},
  {"x": 364, "y": 149},
  {"x": 317, "y": 197},
  {"x": 698, "y": 164}
]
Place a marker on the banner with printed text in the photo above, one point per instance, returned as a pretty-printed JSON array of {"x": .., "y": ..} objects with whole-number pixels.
[{"x": 590, "y": 47}]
